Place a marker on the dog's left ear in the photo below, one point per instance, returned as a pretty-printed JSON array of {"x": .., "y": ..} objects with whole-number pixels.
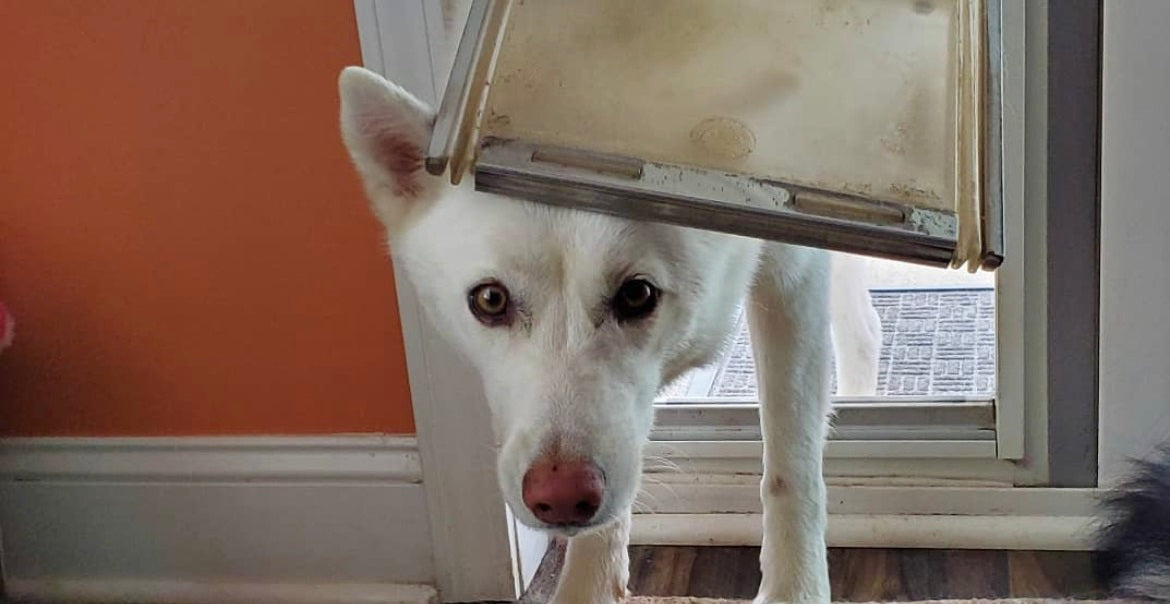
[{"x": 386, "y": 131}]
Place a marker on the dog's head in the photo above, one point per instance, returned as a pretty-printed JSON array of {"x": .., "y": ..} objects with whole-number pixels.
[{"x": 574, "y": 320}]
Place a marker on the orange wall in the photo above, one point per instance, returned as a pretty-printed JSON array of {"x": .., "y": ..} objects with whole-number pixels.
[{"x": 182, "y": 241}]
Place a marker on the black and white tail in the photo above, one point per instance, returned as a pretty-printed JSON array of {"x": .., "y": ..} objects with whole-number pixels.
[{"x": 1134, "y": 542}]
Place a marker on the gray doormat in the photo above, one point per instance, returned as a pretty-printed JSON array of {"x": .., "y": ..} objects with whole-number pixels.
[{"x": 934, "y": 342}]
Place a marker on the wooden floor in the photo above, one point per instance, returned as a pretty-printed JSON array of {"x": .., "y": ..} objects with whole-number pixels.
[{"x": 856, "y": 574}]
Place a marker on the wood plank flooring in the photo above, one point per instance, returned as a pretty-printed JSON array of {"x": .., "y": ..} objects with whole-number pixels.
[{"x": 856, "y": 574}]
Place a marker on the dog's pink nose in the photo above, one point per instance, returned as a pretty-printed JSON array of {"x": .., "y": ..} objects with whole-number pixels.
[{"x": 563, "y": 492}]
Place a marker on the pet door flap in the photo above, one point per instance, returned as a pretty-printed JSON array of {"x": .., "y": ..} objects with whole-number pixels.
[{"x": 867, "y": 126}]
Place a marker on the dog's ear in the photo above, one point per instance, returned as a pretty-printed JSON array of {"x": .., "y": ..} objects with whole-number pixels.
[{"x": 386, "y": 131}]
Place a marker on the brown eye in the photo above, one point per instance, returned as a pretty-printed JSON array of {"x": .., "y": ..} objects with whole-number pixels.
[
  {"x": 635, "y": 299},
  {"x": 489, "y": 303}
]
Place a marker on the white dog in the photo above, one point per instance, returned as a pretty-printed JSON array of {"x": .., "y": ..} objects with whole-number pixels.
[{"x": 576, "y": 320}]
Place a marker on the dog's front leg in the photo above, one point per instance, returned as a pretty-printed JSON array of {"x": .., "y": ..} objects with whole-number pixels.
[
  {"x": 789, "y": 323},
  {"x": 597, "y": 566}
]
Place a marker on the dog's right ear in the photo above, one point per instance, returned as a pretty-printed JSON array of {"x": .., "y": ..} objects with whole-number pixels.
[{"x": 386, "y": 131}]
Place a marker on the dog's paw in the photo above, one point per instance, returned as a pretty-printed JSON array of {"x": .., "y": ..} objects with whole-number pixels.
[
  {"x": 615, "y": 595},
  {"x": 794, "y": 600},
  {"x": 798, "y": 598},
  {"x": 807, "y": 584},
  {"x": 588, "y": 599}
]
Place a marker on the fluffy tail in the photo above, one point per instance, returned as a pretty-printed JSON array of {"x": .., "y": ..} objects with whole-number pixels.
[{"x": 1134, "y": 543}]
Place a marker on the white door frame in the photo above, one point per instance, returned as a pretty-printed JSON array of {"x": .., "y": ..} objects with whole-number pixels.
[
  {"x": 1135, "y": 213},
  {"x": 450, "y": 412},
  {"x": 403, "y": 40}
]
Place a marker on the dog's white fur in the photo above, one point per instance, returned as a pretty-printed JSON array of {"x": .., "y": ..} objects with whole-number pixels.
[{"x": 567, "y": 372}]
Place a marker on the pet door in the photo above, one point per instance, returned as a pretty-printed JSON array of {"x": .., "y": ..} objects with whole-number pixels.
[{"x": 865, "y": 126}]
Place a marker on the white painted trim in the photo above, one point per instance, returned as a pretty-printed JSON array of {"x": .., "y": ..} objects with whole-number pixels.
[
  {"x": 909, "y": 531},
  {"x": 1010, "y": 283},
  {"x": 366, "y": 14},
  {"x": 96, "y": 591},
  {"x": 469, "y": 526},
  {"x": 1135, "y": 211},
  {"x": 724, "y": 509},
  {"x": 741, "y": 494},
  {"x": 834, "y": 449},
  {"x": 911, "y": 449},
  {"x": 219, "y": 459},
  {"x": 393, "y": 38},
  {"x": 1032, "y": 243},
  {"x": 206, "y": 515},
  {"x": 936, "y": 463},
  {"x": 528, "y": 548},
  {"x": 470, "y": 534}
]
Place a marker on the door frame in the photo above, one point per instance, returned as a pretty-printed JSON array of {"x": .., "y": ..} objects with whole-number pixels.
[
  {"x": 451, "y": 414},
  {"x": 470, "y": 527}
]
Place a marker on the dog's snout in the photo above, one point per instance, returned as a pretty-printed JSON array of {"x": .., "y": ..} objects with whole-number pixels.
[{"x": 563, "y": 492}]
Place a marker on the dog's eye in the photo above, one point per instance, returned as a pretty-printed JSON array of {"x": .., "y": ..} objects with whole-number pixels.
[
  {"x": 635, "y": 299},
  {"x": 489, "y": 303}
]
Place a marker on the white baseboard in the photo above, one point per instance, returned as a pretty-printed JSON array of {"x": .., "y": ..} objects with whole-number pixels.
[
  {"x": 695, "y": 509},
  {"x": 128, "y": 591},
  {"x": 390, "y": 459},
  {"x": 899, "y": 531},
  {"x": 284, "y": 519},
  {"x": 740, "y": 494}
]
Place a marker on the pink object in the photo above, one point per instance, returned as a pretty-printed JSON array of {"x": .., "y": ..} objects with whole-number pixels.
[
  {"x": 563, "y": 492},
  {"x": 7, "y": 327}
]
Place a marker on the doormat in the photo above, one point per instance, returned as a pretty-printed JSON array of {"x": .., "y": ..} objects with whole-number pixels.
[{"x": 935, "y": 342}]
